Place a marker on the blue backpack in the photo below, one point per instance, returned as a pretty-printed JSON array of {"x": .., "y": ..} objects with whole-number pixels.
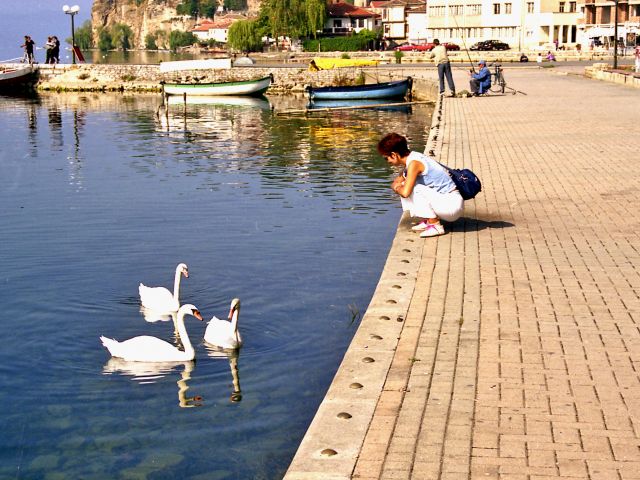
[{"x": 467, "y": 182}]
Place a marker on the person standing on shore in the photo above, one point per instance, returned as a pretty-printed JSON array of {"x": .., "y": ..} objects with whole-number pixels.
[
  {"x": 48, "y": 48},
  {"x": 441, "y": 59},
  {"x": 637, "y": 59},
  {"x": 28, "y": 46},
  {"x": 425, "y": 187}
]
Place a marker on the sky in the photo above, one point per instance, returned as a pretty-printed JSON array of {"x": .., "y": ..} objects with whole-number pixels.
[{"x": 38, "y": 18}]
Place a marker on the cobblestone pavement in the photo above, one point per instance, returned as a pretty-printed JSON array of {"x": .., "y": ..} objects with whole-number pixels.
[{"x": 525, "y": 359}]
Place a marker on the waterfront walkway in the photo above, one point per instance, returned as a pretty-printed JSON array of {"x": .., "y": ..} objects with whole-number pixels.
[{"x": 516, "y": 351}]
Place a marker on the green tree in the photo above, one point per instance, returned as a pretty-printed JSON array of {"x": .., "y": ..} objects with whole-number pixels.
[
  {"x": 150, "y": 41},
  {"x": 189, "y": 7},
  {"x": 316, "y": 13},
  {"x": 293, "y": 18},
  {"x": 208, "y": 8},
  {"x": 245, "y": 35},
  {"x": 121, "y": 35},
  {"x": 179, "y": 38},
  {"x": 83, "y": 35},
  {"x": 104, "y": 40},
  {"x": 237, "y": 5}
]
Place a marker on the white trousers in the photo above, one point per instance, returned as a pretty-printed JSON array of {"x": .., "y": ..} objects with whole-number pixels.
[{"x": 425, "y": 202}]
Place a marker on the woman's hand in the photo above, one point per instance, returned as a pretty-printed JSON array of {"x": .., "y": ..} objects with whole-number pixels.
[{"x": 397, "y": 183}]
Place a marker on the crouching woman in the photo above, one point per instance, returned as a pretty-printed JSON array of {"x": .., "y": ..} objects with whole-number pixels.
[{"x": 425, "y": 187}]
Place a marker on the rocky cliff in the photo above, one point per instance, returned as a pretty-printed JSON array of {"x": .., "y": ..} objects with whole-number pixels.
[{"x": 142, "y": 16}]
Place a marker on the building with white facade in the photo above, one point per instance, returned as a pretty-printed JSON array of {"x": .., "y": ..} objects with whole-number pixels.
[
  {"x": 527, "y": 24},
  {"x": 346, "y": 19}
]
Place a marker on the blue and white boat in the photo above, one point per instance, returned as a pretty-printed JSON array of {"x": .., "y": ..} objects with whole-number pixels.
[{"x": 397, "y": 89}]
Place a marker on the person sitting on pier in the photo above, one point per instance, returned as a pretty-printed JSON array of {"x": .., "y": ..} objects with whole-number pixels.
[
  {"x": 425, "y": 188},
  {"x": 480, "y": 82}
]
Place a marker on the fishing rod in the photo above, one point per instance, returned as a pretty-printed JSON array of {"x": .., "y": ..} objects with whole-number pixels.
[{"x": 464, "y": 44}]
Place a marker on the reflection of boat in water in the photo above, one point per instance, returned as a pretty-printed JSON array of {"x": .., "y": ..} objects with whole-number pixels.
[
  {"x": 151, "y": 372},
  {"x": 396, "y": 89},
  {"x": 243, "y": 87},
  {"x": 228, "y": 100},
  {"x": 232, "y": 356},
  {"x": 370, "y": 103}
]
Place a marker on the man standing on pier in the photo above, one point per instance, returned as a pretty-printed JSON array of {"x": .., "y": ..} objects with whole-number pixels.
[{"x": 440, "y": 58}]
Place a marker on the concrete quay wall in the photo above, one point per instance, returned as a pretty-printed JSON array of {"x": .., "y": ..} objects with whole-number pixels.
[
  {"x": 602, "y": 71},
  {"x": 147, "y": 78}
]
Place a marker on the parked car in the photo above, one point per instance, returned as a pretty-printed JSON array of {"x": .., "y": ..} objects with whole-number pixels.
[
  {"x": 489, "y": 45},
  {"x": 425, "y": 47},
  {"x": 412, "y": 47}
]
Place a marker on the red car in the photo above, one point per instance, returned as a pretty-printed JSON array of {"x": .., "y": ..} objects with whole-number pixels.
[
  {"x": 410, "y": 47},
  {"x": 425, "y": 47}
]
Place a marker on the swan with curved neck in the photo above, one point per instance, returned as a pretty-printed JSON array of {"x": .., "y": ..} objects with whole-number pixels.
[
  {"x": 224, "y": 333},
  {"x": 151, "y": 349},
  {"x": 159, "y": 299}
]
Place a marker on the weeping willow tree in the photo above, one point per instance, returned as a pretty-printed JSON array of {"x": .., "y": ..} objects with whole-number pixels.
[
  {"x": 316, "y": 12},
  {"x": 293, "y": 18},
  {"x": 121, "y": 36},
  {"x": 245, "y": 35}
]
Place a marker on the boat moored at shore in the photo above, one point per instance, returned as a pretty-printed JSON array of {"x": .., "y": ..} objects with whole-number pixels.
[
  {"x": 396, "y": 89},
  {"x": 255, "y": 87}
]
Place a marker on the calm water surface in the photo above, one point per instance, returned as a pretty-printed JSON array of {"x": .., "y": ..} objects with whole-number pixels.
[{"x": 292, "y": 215}]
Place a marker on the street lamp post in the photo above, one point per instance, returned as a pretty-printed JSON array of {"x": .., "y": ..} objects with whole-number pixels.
[
  {"x": 615, "y": 34},
  {"x": 72, "y": 11}
]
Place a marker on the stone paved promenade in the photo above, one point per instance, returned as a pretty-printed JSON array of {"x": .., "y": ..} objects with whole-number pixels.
[{"x": 519, "y": 356}]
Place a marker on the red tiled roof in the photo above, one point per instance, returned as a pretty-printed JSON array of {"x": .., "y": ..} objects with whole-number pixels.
[
  {"x": 220, "y": 22},
  {"x": 342, "y": 9}
]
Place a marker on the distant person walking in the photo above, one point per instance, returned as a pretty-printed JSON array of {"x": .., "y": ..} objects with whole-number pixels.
[
  {"x": 637, "y": 58},
  {"x": 441, "y": 59},
  {"x": 28, "y": 46}
]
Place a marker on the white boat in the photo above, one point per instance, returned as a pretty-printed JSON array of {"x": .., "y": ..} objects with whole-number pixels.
[
  {"x": 245, "y": 87},
  {"x": 16, "y": 78}
]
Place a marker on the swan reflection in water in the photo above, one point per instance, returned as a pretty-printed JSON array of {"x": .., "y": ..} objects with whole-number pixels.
[
  {"x": 153, "y": 316},
  {"x": 232, "y": 356},
  {"x": 152, "y": 372}
]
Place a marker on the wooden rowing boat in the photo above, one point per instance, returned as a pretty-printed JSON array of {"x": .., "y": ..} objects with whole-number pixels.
[
  {"x": 397, "y": 89},
  {"x": 246, "y": 87}
]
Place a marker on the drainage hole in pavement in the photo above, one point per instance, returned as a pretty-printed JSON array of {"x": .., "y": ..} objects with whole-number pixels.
[
  {"x": 376, "y": 337},
  {"x": 396, "y": 286},
  {"x": 356, "y": 385},
  {"x": 368, "y": 360},
  {"x": 400, "y": 318},
  {"x": 392, "y": 302},
  {"x": 384, "y": 317},
  {"x": 328, "y": 452},
  {"x": 406, "y": 250},
  {"x": 404, "y": 261},
  {"x": 402, "y": 274},
  {"x": 344, "y": 415}
]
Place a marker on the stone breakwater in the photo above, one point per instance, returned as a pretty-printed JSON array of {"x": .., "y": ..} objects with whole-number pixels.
[{"x": 148, "y": 78}]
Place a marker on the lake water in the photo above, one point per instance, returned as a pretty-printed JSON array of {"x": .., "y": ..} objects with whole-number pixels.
[{"x": 292, "y": 215}]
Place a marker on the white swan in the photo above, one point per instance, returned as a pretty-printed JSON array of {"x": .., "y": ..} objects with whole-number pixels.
[
  {"x": 224, "y": 333},
  {"x": 159, "y": 299},
  {"x": 152, "y": 349}
]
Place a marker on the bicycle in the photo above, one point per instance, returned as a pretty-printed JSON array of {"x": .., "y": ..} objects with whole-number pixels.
[{"x": 498, "y": 83}]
